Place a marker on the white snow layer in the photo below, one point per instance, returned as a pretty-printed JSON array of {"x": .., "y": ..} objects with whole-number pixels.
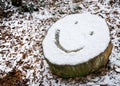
[{"x": 86, "y": 32}]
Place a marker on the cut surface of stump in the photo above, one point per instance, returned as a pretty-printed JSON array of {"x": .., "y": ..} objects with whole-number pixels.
[{"x": 77, "y": 45}]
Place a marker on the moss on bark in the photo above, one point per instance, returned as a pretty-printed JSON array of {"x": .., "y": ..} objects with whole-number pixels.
[{"x": 82, "y": 69}]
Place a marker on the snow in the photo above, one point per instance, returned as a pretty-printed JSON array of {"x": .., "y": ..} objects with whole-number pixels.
[
  {"x": 117, "y": 70},
  {"x": 29, "y": 31},
  {"x": 85, "y": 31}
]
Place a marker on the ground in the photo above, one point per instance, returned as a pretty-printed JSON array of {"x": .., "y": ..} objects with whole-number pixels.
[{"x": 21, "y": 56}]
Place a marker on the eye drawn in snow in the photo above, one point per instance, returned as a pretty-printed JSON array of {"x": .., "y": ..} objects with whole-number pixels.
[
  {"x": 60, "y": 46},
  {"x": 91, "y": 33},
  {"x": 76, "y": 22}
]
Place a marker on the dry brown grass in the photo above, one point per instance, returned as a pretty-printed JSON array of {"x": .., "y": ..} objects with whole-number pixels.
[{"x": 13, "y": 78}]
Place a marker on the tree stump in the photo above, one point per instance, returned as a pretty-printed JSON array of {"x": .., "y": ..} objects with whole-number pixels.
[{"x": 77, "y": 45}]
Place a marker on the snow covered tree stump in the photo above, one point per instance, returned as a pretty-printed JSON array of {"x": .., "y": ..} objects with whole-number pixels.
[{"x": 77, "y": 45}]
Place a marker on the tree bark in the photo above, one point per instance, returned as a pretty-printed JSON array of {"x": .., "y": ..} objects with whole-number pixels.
[{"x": 82, "y": 69}]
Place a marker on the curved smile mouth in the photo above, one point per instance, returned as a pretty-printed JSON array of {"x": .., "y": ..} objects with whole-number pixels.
[{"x": 57, "y": 42}]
